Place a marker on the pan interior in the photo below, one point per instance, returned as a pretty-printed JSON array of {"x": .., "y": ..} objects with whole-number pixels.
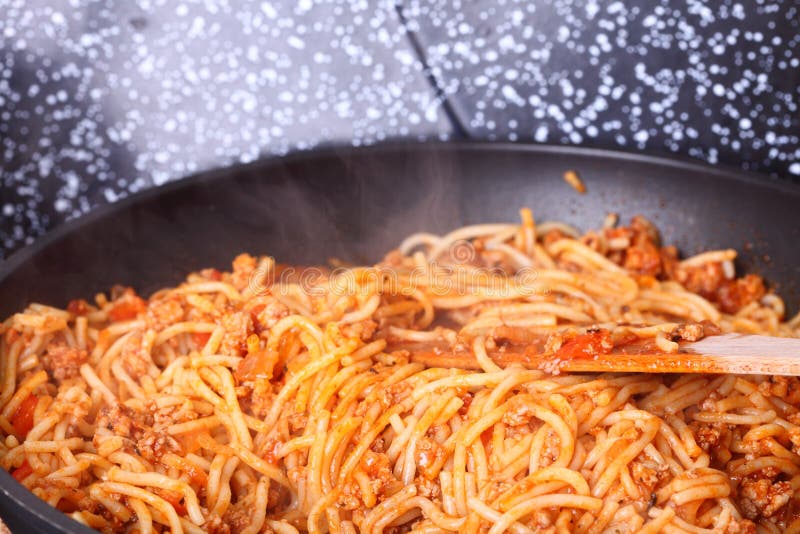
[{"x": 356, "y": 204}]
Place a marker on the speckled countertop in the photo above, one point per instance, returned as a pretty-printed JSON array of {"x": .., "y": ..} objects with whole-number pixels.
[{"x": 99, "y": 99}]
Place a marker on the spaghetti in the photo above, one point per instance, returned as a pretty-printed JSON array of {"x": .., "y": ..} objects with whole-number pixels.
[{"x": 263, "y": 400}]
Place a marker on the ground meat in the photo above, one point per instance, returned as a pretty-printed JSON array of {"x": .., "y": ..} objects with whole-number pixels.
[
  {"x": 266, "y": 311},
  {"x": 670, "y": 260},
  {"x": 215, "y": 525},
  {"x": 394, "y": 258},
  {"x": 643, "y": 229},
  {"x": 63, "y": 362},
  {"x": 350, "y": 496},
  {"x": 237, "y": 517},
  {"x": 297, "y": 422},
  {"x": 170, "y": 415},
  {"x": 552, "y": 236},
  {"x": 708, "y": 435},
  {"x": 237, "y": 327},
  {"x": 786, "y": 388},
  {"x": 594, "y": 241},
  {"x": 643, "y": 258},
  {"x": 427, "y": 453},
  {"x": 393, "y": 394},
  {"x": 377, "y": 467},
  {"x": 363, "y": 330},
  {"x": 428, "y": 488},
  {"x": 243, "y": 267},
  {"x": 704, "y": 279},
  {"x": 736, "y": 294},
  {"x": 134, "y": 359},
  {"x": 763, "y": 497},
  {"x": 551, "y": 449},
  {"x": 152, "y": 445},
  {"x": 743, "y": 526},
  {"x": 694, "y": 331},
  {"x": 518, "y": 413},
  {"x": 164, "y": 312},
  {"x": 648, "y": 475},
  {"x": 256, "y": 396},
  {"x": 122, "y": 421},
  {"x": 709, "y": 282},
  {"x": 643, "y": 255},
  {"x": 687, "y": 332}
]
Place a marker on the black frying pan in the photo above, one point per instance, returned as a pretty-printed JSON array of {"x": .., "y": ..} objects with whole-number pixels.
[{"x": 356, "y": 204}]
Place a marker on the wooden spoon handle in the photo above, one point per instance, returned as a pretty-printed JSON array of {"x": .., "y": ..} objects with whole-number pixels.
[{"x": 735, "y": 354}]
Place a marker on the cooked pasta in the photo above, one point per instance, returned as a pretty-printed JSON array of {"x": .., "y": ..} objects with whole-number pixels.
[{"x": 270, "y": 399}]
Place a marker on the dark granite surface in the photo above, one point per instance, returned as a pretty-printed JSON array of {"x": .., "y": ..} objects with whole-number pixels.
[{"x": 99, "y": 99}]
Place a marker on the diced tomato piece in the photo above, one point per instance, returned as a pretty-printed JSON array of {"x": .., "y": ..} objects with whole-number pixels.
[
  {"x": 585, "y": 346},
  {"x": 78, "y": 307},
  {"x": 127, "y": 309},
  {"x": 273, "y": 449},
  {"x": 200, "y": 338},
  {"x": 22, "y": 420},
  {"x": 174, "y": 498},
  {"x": 259, "y": 364},
  {"x": 22, "y": 472},
  {"x": 66, "y": 506},
  {"x": 12, "y": 335}
]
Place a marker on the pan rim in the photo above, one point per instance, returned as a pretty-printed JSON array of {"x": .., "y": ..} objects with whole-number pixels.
[
  {"x": 60, "y": 522},
  {"x": 13, "y": 261}
]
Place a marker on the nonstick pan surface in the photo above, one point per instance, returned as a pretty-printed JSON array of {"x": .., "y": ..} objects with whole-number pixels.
[{"x": 357, "y": 203}]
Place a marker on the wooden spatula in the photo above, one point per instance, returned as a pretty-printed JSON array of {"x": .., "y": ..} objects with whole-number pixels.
[{"x": 729, "y": 353}]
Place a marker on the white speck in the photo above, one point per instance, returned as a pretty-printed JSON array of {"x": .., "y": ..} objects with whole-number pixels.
[
  {"x": 512, "y": 95},
  {"x": 249, "y": 103},
  {"x": 268, "y": 10},
  {"x": 160, "y": 177},
  {"x": 146, "y": 66},
  {"x": 342, "y": 108},
  {"x": 794, "y": 168},
  {"x": 506, "y": 43},
  {"x": 745, "y": 123},
  {"x": 649, "y": 20},
  {"x": 198, "y": 24},
  {"x": 8, "y": 210},
  {"x": 719, "y": 90},
  {"x": 58, "y": 18},
  {"x": 541, "y": 134},
  {"x": 405, "y": 57},
  {"x": 61, "y": 205},
  {"x": 592, "y": 9},
  {"x": 296, "y": 42},
  {"x": 641, "y": 136}
]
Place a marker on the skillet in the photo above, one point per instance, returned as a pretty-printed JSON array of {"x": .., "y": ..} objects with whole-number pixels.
[{"x": 357, "y": 203}]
